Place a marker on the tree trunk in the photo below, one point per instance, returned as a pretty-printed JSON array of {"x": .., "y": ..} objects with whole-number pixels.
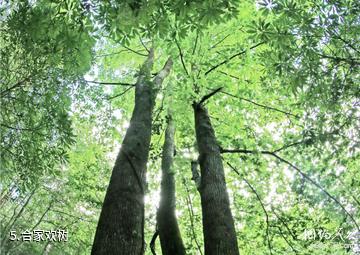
[
  {"x": 120, "y": 228},
  {"x": 218, "y": 223},
  {"x": 170, "y": 237}
]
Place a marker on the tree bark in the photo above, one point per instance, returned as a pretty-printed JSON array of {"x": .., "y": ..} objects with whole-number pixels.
[
  {"x": 169, "y": 233},
  {"x": 218, "y": 224},
  {"x": 120, "y": 228}
]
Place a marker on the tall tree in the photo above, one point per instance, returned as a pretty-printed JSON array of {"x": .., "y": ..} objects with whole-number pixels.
[
  {"x": 121, "y": 225},
  {"x": 218, "y": 223},
  {"x": 286, "y": 119},
  {"x": 169, "y": 233}
]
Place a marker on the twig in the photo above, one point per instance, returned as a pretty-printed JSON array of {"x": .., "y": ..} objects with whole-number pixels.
[
  {"x": 142, "y": 43},
  {"x": 111, "y": 83},
  {"x": 350, "y": 61},
  {"x": 261, "y": 105},
  {"x": 206, "y": 97},
  {"x": 10, "y": 224},
  {"x": 196, "y": 41},
  {"x": 153, "y": 242},
  {"x": 287, "y": 241},
  {"x": 304, "y": 175},
  {"x": 347, "y": 42},
  {"x": 70, "y": 215},
  {"x": 344, "y": 185},
  {"x": 262, "y": 205},
  {"x": 230, "y": 75},
  {"x": 289, "y": 145},
  {"x": 21, "y": 129},
  {"x": 181, "y": 57},
  {"x": 223, "y": 39},
  {"x": 18, "y": 84},
  {"x": 284, "y": 223},
  {"x": 35, "y": 226},
  {"x": 136, "y": 52},
  {"x": 231, "y": 57},
  {"x": 109, "y": 54},
  {"x": 118, "y": 95},
  {"x": 191, "y": 214}
]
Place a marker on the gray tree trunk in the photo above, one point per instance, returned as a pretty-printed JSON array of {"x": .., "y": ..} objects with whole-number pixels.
[
  {"x": 120, "y": 228},
  {"x": 169, "y": 233},
  {"x": 218, "y": 223}
]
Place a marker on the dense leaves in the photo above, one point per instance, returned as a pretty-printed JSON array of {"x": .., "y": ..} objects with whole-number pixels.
[
  {"x": 124, "y": 20},
  {"x": 289, "y": 108},
  {"x": 43, "y": 53}
]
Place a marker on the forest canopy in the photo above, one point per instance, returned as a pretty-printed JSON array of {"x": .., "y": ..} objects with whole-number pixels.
[{"x": 180, "y": 127}]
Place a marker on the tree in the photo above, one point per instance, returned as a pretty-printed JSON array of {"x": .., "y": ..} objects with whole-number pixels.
[
  {"x": 286, "y": 145},
  {"x": 167, "y": 225},
  {"x": 218, "y": 223},
  {"x": 121, "y": 225}
]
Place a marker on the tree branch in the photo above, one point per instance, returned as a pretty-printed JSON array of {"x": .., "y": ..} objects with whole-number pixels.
[
  {"x": 344, "y": 185},
  {"x": 109, "y": 54},
  {"x": 284, "y": 223},
  {"x": 350, "y": 61},
  {"x": 231, "y": 57},
  {"x": 304, "y": 175},
  {"x": 153, "y": 242},
  {"x": 35, "y": 226},
  {"x": 196, "y": 41},
  {"x": 217, "y": 43},
  {"x": 261, "y": 105},
  {"x": 111, "y": 83},
  {"x": 230, "y": 75},
  {"x": 206, "y": 97},
  {"x": 191, "y": 214},
  {"x": 262, "y": 205},
  {"x": 287, "y": 241},
  {"x": 71, "y": 216},
  {"x": 160, "y": 76},
  {"x": 10, "y": 224},
  {"x": 18, "y": 84},
  {"x": 181, "y": 57},
  {"x": 22, "y": 129},
  {"x": 136, "y": 52},
  {"x": 42, "y": 216},
  {"x": 290, "y": 145},
  {"x": 119, "y": 95},
  {"x": 143, "y": 44}
]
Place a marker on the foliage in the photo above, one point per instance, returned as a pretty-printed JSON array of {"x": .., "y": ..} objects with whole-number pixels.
[
  {"x": 123, "y": 20},
  {"x": 289, "y": 72},
  {"x": 43, "y": 54}
]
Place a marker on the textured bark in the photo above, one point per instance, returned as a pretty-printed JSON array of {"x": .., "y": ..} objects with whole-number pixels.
[
  {"x": 169, "y": 233},
  {"x": 218, "y": 223},
  {"x": 120, "y": 228}
]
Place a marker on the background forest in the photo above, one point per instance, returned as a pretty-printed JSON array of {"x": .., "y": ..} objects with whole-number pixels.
[{"x": 276, "y": 83}]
